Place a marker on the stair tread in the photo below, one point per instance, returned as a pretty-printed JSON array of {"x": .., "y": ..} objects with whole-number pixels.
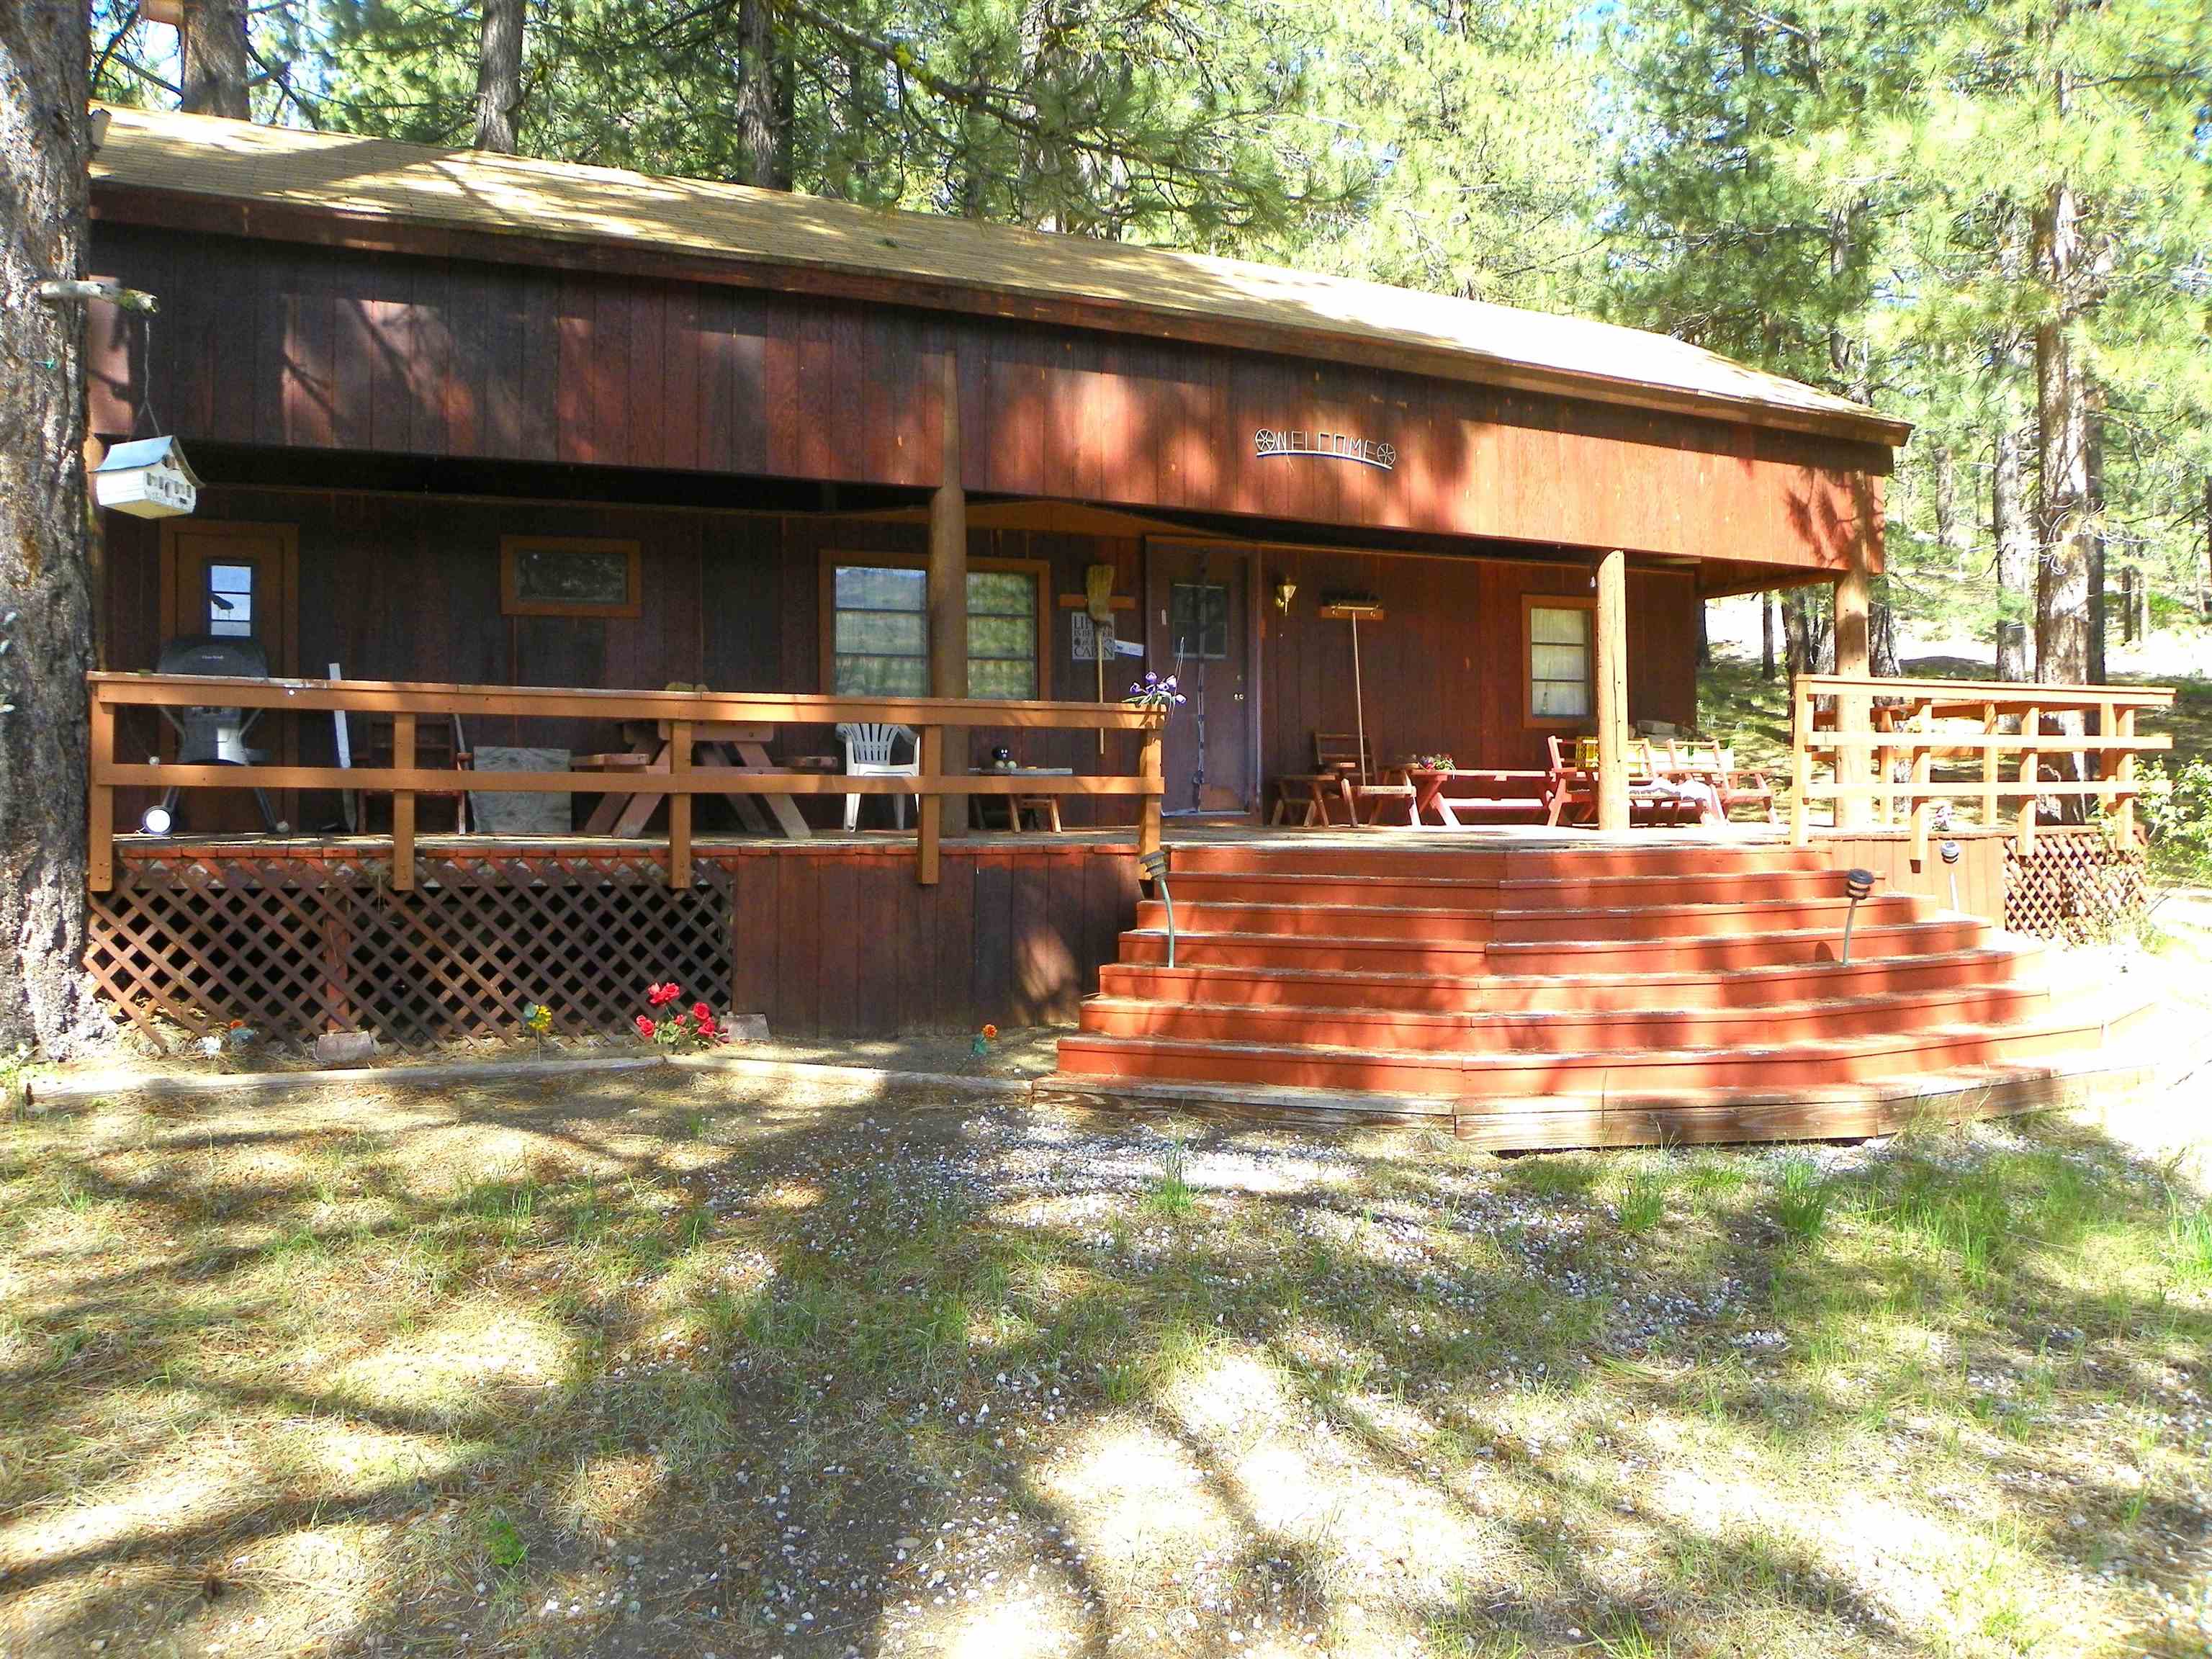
[
  {"x": 1691, "y": 907},
  {"x": 1797, "y": 1049},
  {"x": 1578, "y": 1016},
  {"x": 1682, "y": 975}
]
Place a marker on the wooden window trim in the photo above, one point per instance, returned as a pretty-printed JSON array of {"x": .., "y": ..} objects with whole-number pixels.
[
  {"x": 1038, "y": 570},
  {"x": 1531, "y": 603},
  {"x": 511, "y": 602}
]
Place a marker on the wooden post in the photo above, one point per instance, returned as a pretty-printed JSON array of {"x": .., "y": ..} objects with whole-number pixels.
[
  {"x": 2031, "y": 726},
  {"x": 403, "y": 806},
  {"x": 100, "y": 818},
  {"x": 1149, "y": 769},
  {"x": 1991, "y": 723},
  {"x": 2126, "y": 723},
  {"x": 1801, "y": 764},
  {"x": 948, "y": 583},
  {"x": 679, "y": 804},
  {"x": 929, "y": 816},
  {"x": 1613, "y": 693},
  {"x": 1923, "y": 762},
  {"x": 1854, "y": 711}
]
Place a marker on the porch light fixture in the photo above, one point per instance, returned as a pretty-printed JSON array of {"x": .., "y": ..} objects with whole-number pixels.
[
  {"x": 1949, "y": 852},
  {"x": 1857, "y": 884},
  {"x": 1285, "y": 591},
  {"x": 1153, "y": 867},
  {"x": 156, "y": 820}
]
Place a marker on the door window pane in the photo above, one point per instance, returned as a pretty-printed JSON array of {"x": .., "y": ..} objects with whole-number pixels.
[
  {"x": 1198, "y": 620},
  {"x": 230, "y": 601}
]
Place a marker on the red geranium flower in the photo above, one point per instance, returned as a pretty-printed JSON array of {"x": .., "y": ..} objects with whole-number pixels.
[
  {"x": 646, "y": 1028},
  {"x": 660, "y": 996},
  {"x": 702, "y": 1013}
]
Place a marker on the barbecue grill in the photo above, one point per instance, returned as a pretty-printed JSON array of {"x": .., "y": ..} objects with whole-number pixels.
[{"x": 209, "y": 735}]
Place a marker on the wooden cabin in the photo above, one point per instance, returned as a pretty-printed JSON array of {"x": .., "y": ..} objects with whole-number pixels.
[{"x": 540, "y": 435}]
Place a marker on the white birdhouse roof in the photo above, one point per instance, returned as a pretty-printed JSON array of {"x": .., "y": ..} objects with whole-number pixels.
[{"x": 148, "y": 452}]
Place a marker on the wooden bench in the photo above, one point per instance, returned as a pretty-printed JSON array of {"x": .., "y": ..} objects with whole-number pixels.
[
  {"x": 1343, "y": 775},
  {"x": 1704, "y": 758}
]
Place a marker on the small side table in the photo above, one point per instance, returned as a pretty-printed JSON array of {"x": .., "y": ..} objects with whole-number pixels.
[{"x": 1046, "y": 806}]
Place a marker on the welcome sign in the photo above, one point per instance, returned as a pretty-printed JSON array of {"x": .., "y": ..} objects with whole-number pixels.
[{"x": 1272, "y": 441}]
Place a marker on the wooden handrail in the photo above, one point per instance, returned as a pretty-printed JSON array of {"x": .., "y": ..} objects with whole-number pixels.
[
  {"x": 1912, "y": 709},
  {"x": 681, "y": 712}
]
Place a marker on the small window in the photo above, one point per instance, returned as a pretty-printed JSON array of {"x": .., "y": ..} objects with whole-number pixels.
[
  {"x": 1198, "y": 620},
  {"x": 230, "y": 601},
  {"x": 879, "y": 632},
  {"x": 1559, "y": 663},
  {"x": 567, "y": 576}
]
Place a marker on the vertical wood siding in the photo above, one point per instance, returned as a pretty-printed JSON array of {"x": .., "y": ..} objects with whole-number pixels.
[{"x": 281, "y": 344}]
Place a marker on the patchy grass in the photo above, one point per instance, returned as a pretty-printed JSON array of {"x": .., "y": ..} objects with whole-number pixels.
[{"x": 670, "y": 1368}]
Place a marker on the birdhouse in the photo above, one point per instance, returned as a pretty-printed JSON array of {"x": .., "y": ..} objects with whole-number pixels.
[{"x": 148, "y": 479}]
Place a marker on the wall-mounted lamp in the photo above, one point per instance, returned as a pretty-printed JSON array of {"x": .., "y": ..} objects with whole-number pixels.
[{"x": 1285, "y": 591}]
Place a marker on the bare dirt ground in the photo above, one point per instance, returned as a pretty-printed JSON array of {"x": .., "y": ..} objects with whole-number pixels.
[{"x": 622, "y": 1366}]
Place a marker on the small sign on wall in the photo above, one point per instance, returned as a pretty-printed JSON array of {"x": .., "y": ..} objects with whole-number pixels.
[{"x": 1095, "y": 641}]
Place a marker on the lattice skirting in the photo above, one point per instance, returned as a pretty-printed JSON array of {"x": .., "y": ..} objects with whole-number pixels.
[
  {"x": 296, "y": 947},
  {"x": 2073, "y": 887}
]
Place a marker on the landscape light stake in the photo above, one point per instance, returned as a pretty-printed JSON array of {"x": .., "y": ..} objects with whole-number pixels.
[
  {"x": 1948, "y": 851},
  {"x": 1857, "y": 884},
  {"x": 1154, "y": 867}
]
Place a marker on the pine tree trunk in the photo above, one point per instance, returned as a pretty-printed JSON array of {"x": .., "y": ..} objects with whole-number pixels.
[
  {"x": 499, "y": 76},
  {"x": 2015, "y": 540},
  {"x": 45, "y": 594},
  {"x": 2062, "y": 584},
  {"x": 1881, "y": 633},
  {"x": 1704, "y": 639},
  {"x": 2092, "y": 472},
  {"x": 213, "y": 44},
  {"x": 761, "y": 108},
  {"x": 1766, "y": 637}
]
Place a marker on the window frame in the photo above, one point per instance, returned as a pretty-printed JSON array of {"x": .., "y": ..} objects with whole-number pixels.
[
  {"x": 1039, "y": 572},
  {"x": 511, "y": 603},
  {"x": 1531, "y": 603}
]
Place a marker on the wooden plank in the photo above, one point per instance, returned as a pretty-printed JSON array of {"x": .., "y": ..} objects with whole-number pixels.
[
  {"x": 100, "y": 829},
  {"x": 839, "y": 943},
  {"x": 679, "y": 805},
  {"x": 798, "y": 927},
  {"x": 755, "y": 936},
  {"x": 953, "y": 901},
  {"x": 403, "y": 806},
  {"x": 993, "y": 941}
]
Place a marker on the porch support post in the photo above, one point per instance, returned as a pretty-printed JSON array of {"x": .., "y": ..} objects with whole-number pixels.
[
  {"x": 948, "y": 624},
  {"x": 1854, "y": 713},
  {"x": 948, "y": 556},
  {"x": 1612, "y": 692},
  {"x": 403, "y": 806}
]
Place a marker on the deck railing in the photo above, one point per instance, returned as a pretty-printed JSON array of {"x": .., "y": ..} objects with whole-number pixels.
[
  {"x": 679, "y": 713},
  {"x": 1909, "y": 725}
]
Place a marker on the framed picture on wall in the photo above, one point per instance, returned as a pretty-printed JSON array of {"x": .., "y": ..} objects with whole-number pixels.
[{"x": 569, "y": 576}]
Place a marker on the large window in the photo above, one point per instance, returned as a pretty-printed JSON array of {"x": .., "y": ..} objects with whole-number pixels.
[
  {"x": 1560, "y": 686},
  {"x": 880, "y": 630}
]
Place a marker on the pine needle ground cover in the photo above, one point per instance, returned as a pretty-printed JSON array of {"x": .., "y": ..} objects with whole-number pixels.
[{"x": 609, "y": 1369}]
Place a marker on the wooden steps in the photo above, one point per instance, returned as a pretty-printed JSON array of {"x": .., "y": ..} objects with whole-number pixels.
[{"x": 1459, "y": 986}]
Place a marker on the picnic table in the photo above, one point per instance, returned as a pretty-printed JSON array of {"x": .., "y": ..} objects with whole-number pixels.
[
  {"x": 1017, "y": 804},
  {"x": 738, "y": 745},
  {"x": 1431, "y": 786}
]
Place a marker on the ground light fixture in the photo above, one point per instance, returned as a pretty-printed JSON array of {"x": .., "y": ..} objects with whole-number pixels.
[
  {"x": 1154, "y": 867},
  {"x": 1949, "y": 852},
  {"x": 1857, "y": 884}
]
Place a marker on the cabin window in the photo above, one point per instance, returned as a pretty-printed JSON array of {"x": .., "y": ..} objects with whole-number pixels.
[
  {"x": 879, "y": 631},
  {"x": 569, "y": 576},
  {"x": 230, "y": 600},
  {"x": 1560, "y": 686}
]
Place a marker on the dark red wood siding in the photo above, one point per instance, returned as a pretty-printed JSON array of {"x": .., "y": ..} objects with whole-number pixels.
[{"x": 273, "y": 342}]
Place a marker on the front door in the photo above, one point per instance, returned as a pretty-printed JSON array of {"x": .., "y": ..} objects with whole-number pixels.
[
  {"x": 235, "y": 582},
  {"x": 1198, "y": 627}
]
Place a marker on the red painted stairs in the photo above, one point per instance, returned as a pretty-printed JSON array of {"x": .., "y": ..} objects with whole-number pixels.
[{"x": 1601, "y": 994}]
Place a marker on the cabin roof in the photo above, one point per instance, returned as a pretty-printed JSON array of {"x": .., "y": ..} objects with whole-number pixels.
[{"x": 810, "y": 239}]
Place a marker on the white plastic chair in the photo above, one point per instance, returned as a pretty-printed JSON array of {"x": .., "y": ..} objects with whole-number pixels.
[{"x": 868, "y": 750}]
